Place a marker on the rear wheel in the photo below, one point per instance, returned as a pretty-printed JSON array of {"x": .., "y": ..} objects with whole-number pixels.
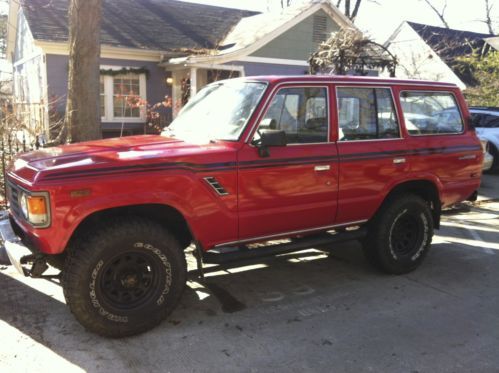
[
  {"x": 400, "y": 235},
  {"x": 125, "y": 279}
]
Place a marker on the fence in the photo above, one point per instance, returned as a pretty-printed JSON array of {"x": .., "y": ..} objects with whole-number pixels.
[{"x": 11, "y": 144}]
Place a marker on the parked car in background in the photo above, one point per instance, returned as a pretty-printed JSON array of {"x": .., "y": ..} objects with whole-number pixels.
[{"x": 486, "y": 123}]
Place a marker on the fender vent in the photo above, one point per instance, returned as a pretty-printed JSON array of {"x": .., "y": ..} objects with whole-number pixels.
[{"x": 216, "y": 185}]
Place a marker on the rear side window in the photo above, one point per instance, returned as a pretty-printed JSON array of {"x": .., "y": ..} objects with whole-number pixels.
[
  {"x": 431, "y": 113},
  {"x": 366, "y": 114}
]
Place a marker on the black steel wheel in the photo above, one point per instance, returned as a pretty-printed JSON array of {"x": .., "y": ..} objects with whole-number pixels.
[
  {"x": 125, "y": 279},
  {"x": 400, "y": 234},
  {"x": 407, "y": 234},
  {"x": 129, "y": 279}
]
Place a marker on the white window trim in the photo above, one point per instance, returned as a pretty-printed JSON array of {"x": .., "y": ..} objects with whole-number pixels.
[{"x": 108, "y": 115}]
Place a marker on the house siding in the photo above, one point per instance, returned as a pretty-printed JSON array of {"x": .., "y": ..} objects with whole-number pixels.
[
  {"x": 156, "y": 87},
  {"x": 297, "y": 43}
]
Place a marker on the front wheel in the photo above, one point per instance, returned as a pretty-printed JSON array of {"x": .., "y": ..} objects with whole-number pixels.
[
  {"x": 400, "y": 235},
  {"x": 125, "y": 279}
]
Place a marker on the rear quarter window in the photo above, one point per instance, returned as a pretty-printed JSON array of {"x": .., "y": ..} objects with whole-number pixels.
[{"x": 431, "y": 113}]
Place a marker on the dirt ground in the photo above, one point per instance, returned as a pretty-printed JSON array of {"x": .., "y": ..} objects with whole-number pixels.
[{"x": 307, "y": 311}]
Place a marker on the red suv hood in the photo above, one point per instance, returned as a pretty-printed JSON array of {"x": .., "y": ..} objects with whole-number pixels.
[{"x": 136, "y": 150}]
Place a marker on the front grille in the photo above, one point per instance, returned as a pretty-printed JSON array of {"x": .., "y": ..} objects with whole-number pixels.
[{"x": 13, "y": 192}]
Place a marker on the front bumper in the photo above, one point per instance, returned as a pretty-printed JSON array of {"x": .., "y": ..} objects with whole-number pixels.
[{"x": 15, "y": 249}]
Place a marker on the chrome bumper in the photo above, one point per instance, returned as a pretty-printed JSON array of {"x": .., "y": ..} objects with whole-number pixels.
[{"x": 12, "y": 245}]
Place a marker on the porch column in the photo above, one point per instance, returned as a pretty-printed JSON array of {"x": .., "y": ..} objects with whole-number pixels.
[
  {"x": 194, "y": 81},
  {"x": 177, "y": 76}
]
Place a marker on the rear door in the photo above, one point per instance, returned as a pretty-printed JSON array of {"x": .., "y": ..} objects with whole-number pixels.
[
  {"x": 294, "y": 189},
  {"x": 438, "y": 142},
  {"x": 372, "y": 152}
]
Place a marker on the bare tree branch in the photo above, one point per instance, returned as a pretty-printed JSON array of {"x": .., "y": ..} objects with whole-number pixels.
[
  {"x": 356, "y": 9},
  {"x": 488, "y": 19},
  {"x": 285, "y": 3},
  {"x": 440, "y": 14}
]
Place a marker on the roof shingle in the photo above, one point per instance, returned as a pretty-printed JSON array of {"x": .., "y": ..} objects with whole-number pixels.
[{"x": 164, "y": 25}]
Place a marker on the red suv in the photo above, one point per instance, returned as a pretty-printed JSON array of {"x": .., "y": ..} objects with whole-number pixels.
[{"x": 307, "y": 160}]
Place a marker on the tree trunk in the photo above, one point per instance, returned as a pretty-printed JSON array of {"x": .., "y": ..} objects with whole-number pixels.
[{"x": 83, "y": 102}]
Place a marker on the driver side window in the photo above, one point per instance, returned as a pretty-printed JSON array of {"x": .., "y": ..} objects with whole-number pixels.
[{"x": 301, "y": 113}]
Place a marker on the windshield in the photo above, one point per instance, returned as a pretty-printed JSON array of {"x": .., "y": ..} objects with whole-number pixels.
[{"x": 219, "y": 111}]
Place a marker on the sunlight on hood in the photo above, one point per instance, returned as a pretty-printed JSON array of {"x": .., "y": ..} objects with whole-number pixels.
[{"x": 138, "y": 154}]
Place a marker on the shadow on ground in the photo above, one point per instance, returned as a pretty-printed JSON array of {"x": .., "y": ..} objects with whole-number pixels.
[{"x": 291, "y": 313}]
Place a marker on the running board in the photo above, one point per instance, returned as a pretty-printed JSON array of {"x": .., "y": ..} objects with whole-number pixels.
[{"x": 224, "y": 255}]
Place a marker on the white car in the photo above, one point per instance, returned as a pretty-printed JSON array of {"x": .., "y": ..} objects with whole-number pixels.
[{"x": 486, "y": 123}]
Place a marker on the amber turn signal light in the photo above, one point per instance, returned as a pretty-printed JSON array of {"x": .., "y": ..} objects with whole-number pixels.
[{"x": 36, "y": 205}]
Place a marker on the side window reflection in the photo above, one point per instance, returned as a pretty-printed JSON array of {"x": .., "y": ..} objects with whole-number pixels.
[{"x": 300, "y": 112}]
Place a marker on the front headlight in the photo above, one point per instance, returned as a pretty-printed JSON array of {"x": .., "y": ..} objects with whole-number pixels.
[
  {"x": 23, "y": 202},
  {"x": 34, "y": 208}
]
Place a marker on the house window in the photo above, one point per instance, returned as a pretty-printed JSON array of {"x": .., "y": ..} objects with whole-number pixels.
[
  {"x": 120, "y": 96},
  {"x": 126, "y": 90}
]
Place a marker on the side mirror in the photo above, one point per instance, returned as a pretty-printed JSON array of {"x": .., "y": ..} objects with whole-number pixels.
[{"x": 270, "y": 138}]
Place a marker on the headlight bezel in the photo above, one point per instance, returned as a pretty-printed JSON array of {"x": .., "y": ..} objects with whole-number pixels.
[{"x": 23, "y": 196}]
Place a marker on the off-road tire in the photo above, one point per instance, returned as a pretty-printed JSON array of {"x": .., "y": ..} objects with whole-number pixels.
[
  {"x": 124, "y": 279},
  {"x": 400, "y": 234}
]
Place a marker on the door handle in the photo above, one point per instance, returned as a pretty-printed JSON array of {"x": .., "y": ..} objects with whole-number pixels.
[
  {"x": 398, "y": 160},
  {"x": 324, "y": 167}
]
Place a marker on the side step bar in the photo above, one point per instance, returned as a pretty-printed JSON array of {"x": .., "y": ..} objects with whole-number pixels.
[{"x": 224, "y": 255}]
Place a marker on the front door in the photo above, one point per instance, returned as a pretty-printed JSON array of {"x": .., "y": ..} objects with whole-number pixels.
[{"x": 294, "y": 189}]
